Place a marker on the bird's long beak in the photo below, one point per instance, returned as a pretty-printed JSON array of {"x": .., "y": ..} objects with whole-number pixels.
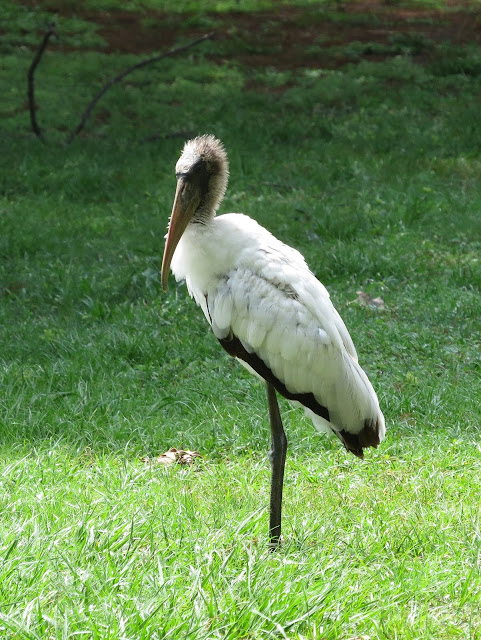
[{"x": 187, "y": 199}]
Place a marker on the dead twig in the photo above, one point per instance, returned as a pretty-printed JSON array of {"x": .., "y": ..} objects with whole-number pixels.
[
  {"x": 121, "y": 76},
  {"x": 51, "y": 31}
]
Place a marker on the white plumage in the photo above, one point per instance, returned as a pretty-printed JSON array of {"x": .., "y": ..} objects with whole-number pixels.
[
  {"x": 252, "y": 286},
  {"x": 264, "y": 304}
]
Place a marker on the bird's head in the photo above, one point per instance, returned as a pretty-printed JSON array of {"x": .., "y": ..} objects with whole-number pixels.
[{"x": 202, "y": 172}]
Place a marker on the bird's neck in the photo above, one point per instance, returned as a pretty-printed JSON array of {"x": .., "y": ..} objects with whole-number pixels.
[
  {"x": 211, "y": 199},
  {"x": 204, "y": 214}
]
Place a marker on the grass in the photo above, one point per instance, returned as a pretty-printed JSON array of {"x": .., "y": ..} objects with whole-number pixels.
[{"x": 373, "y": 172}]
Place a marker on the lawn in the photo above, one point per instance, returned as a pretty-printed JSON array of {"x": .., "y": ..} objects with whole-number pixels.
[{"x": 363, "y": 154}]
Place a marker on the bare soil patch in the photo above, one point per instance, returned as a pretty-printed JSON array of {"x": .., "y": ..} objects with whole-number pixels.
[{"x": 287, "y": 37}]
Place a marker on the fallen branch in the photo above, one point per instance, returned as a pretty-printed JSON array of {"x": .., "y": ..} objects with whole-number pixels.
[
  {"x": 86, "y": 114},
  {"x": 51, "y": 31}
]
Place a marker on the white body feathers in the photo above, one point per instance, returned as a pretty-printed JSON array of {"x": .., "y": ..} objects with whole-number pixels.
[{"x": 254, "y": 287}]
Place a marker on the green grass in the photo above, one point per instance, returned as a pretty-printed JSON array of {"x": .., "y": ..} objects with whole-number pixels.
[{"x": 373, "y": 172}]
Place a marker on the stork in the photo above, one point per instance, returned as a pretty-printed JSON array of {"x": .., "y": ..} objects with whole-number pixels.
[{"x": 269, "y": 311}]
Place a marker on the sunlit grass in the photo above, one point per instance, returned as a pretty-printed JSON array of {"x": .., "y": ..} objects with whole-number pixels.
[
  {"x": 373, "y": 173},
  {"x": 103, "y": 544}
]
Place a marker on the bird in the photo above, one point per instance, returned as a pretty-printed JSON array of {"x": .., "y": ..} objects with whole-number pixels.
[{"x": 269, "y": 311}]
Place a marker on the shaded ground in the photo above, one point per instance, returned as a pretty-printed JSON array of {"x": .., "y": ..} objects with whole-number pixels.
[{"x": 290, "y": 37}]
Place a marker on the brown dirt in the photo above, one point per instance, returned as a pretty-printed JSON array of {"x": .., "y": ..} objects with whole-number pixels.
[{"x": 288, "y": 37}]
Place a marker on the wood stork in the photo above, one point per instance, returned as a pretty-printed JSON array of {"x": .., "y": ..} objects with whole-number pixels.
[{"x": 267, "y": 309}]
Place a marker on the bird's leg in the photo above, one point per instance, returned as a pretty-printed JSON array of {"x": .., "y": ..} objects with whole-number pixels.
[{"x": 277, "y": 457}]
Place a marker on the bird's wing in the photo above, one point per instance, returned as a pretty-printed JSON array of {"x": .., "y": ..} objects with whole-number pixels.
[{"x": 278, "y": 318}]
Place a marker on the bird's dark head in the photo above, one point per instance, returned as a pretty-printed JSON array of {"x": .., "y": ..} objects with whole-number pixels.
[
  {"x": 202, "y": 172},
  {"x": 203, "y": 169}
]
